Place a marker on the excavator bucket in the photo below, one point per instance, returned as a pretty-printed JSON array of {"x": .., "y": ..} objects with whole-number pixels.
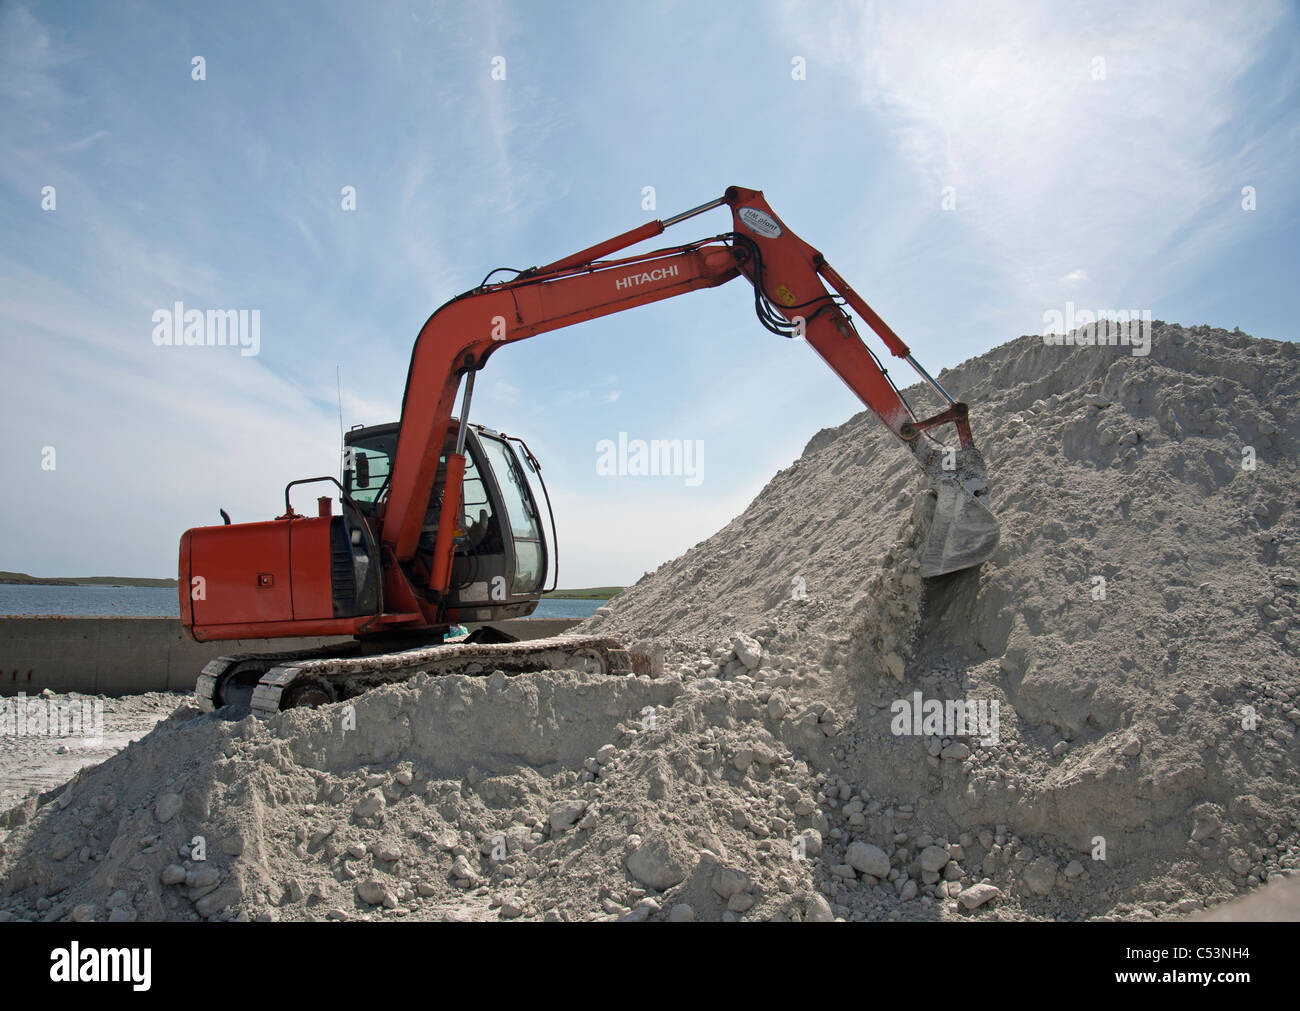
[{"x": 963, "y": 532}]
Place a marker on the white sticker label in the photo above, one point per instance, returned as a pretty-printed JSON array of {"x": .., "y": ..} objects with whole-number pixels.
[{"x": 756, "y": 221}]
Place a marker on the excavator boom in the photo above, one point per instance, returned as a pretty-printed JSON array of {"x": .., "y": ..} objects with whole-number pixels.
[{"x": 790, "y": 280}]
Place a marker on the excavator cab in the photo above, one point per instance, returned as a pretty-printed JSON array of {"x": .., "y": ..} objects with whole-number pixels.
[
  {"x": 323, "y": 575},
  {"x": 501, "y": 556}
]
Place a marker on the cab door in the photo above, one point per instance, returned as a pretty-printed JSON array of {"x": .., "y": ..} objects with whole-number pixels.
[{"x": 526, "y": 573}]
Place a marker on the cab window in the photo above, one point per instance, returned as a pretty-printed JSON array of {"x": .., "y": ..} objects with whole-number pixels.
[{"x": 366, "y": 466}]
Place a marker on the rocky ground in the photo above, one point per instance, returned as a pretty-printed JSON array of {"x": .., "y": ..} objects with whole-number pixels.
[
  {"x": 42, "y": 762},
  {"x": 1135, "y": 635}
]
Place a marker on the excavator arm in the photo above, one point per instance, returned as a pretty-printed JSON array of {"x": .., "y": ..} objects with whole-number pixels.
[{"x": 790, "y": 280}]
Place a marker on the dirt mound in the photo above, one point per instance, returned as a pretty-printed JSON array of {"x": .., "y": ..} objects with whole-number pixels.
[
  {"x": 1136, "y": 626},
  {"x": 448, "y": 798},
  {"x": 1100, "y": 722}
]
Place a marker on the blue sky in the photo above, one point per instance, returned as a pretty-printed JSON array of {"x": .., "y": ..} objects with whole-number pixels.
[{"x": 1122, "y": 190}]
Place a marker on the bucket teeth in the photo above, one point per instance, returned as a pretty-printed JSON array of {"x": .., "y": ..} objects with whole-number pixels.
[{"x": 963, "y": 531}]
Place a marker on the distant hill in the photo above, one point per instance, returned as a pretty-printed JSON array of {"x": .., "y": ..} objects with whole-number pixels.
[
  {"x": 23, "y": 577},
  {"x": 590, "y": 593}
]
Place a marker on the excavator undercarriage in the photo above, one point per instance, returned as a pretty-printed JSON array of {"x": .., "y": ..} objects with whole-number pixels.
[{"x": 270, "y": 682}]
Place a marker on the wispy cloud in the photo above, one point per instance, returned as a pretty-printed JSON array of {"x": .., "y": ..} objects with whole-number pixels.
[
  {"x": 82, "y": 144},
  {"x": 1066, "y": 132}
]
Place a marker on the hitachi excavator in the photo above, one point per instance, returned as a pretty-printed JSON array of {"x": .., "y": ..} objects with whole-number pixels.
[{"x": 438, "y": 522}]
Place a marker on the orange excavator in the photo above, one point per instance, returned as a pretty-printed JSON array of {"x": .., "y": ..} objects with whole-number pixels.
[{"x": 438, "y": 521}]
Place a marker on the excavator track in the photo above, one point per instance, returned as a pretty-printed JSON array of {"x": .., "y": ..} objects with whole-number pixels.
[{"x": 320, "y": 676}]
